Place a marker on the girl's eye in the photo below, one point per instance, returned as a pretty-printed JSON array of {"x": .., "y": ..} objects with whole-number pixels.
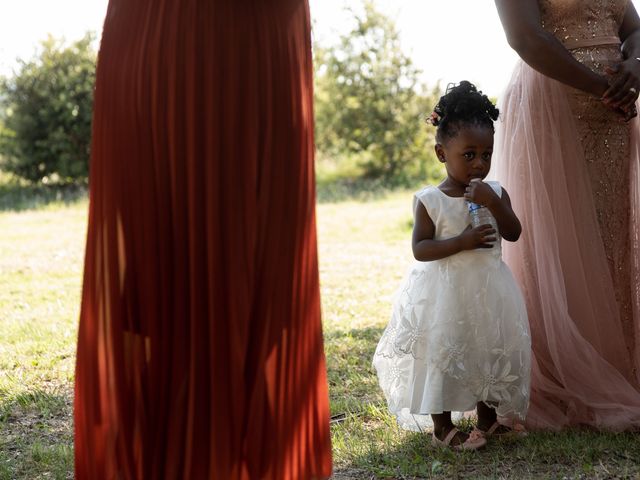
[
  {"x": 486, "y": 156},
  {"x": 468, "y": 155}
]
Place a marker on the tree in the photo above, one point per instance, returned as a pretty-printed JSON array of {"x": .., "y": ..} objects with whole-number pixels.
[
  {"x": 370, "y": 107},
  {"x": 47, "y": 113}
]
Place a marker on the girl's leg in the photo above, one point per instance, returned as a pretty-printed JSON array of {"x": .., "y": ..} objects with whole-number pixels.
[
  {"x": 486, "y": 416},
  {"x": 442, "y": 425}
]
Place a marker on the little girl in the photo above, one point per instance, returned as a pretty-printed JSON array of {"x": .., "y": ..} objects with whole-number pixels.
[{"x": 458, "y": 338}]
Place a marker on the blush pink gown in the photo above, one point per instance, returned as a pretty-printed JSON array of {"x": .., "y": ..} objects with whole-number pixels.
[{"x": 571, "y": 167}]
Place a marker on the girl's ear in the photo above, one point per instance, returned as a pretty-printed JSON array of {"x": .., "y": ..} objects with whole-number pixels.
[{"x": 440, "y": 153}]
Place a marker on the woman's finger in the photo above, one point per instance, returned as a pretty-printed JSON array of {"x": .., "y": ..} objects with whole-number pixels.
[
  {"x": 632, "y": 113},
  {"x": 616, "y": 86},
  {"x": 626, "y": 92},
  {"x": 628, "y": 102},
  {"x": 613, "y": 69}
]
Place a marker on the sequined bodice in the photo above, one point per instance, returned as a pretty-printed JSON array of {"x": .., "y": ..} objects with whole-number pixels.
[{"x": 577, "y": 20}]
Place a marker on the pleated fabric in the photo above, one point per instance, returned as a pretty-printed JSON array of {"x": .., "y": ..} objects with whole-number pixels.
[
  {"x": 586, "y": 358},
  {"x": 200, "y": 350}
]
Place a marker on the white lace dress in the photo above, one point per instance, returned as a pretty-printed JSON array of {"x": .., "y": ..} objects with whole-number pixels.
[{"x": 458, "y": 333}]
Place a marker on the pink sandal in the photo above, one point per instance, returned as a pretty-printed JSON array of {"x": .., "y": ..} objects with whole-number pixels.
[
  {"x": 475, "y": 441},
  {"x": 516, "y": 430}
]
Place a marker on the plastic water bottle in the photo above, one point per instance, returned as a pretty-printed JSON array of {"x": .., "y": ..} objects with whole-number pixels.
[{"x": 481, "y": 215}]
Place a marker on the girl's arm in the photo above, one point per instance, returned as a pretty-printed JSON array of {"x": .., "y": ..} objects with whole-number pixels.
[
  {"x": 626, "y": 73},
  {"x": 541, "y": 50},
  {"x": 425, "y": 248},
  {"x": 500, "y": 207}
]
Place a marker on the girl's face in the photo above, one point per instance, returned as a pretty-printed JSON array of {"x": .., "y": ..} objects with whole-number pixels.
[{"x": 467, "y": 155}]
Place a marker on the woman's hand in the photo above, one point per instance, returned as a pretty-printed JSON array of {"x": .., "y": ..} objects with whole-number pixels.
[
  {"x": 630, "y": 113},
  {"x": 481, "y": 193},
  {"x": 624, "y": 86},
  {"x": 478, "y": 237}
]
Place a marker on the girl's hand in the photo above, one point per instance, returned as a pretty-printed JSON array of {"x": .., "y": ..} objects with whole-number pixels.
[
  {"x": 479, "y": 192},
  {"x": 479, "y": 237},
  {"x": 624, "y": 86}
]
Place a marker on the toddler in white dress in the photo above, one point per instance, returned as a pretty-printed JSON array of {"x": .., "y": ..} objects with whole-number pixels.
[{"x": 458, "y": 339}]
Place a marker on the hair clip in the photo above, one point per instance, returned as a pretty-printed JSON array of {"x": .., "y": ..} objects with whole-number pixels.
[{"x": 435, "y": 118}]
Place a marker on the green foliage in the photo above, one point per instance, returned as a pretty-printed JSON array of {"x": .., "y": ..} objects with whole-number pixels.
[
  {"x": 47, "y": 105},
  {"x": 370, "y": 107}
]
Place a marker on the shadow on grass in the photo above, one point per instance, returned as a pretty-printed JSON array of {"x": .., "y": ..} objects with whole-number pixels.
[
  {"x": 36, "y": 435},
  {"x": 18, "y": 196}
]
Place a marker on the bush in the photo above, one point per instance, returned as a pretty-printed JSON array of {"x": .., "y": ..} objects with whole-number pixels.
[
  {"x": 370, "y": 106},
  {"x": 45, "y": 134}
]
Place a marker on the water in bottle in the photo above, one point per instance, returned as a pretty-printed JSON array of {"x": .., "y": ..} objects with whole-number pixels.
[{"x": 481, "y": 215}]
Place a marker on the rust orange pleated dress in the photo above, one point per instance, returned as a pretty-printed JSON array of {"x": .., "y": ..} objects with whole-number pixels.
[{"x": 200, "y": 350}]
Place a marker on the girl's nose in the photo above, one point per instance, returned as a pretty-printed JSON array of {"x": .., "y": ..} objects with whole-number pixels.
[{"x": 477, "y": 164}]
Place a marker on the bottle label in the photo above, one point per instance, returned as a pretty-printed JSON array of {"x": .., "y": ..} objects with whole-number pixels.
[{"x": 473, "y": 206}]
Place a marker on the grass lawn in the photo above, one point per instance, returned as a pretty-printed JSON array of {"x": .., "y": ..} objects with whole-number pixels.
[{"x": 364, "y": 250}]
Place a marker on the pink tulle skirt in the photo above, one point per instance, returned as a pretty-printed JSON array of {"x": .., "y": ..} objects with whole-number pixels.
[{"x": 585, "y": 321}]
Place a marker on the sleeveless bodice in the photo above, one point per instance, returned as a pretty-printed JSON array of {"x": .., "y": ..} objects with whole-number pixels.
[
  {"x": 576, "y": 21},
  {"x": 450, "y": 216}
]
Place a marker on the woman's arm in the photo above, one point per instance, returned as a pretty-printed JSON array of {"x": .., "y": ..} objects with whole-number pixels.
[
  {"x": 425, "y": 248},
  {"x": 627, "y": 73},
  {"x": 630, "y": 33},
  {"x": 541, "y": 50}
]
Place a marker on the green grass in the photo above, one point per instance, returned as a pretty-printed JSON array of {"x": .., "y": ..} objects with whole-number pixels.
[
  {"x": 41, "y": 253},
  {"x": 364, "y": 251}
]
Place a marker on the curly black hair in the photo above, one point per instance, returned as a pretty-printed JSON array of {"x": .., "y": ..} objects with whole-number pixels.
[{"x": 462, "y": 104}]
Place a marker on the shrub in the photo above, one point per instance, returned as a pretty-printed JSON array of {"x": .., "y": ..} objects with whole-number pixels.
[{"x": 47, "y": 110}]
